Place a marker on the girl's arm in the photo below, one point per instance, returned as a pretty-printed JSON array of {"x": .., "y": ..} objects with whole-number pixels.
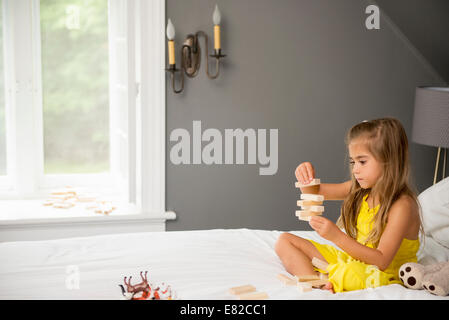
[
  {"x": 331, "y": 191},
  {"x": 400, "y": 218}
]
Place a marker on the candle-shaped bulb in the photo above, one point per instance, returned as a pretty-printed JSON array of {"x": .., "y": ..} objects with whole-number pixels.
[
  {"x": 216, "y": 16},
  {"x": 171, "y": 42},
  {"x": 170, "y": 30}
]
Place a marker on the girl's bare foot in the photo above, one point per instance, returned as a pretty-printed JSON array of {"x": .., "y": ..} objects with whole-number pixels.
[{"x": 328, "y": 286}]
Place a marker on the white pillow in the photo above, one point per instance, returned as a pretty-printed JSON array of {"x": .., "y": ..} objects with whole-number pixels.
[
  {"x": 431, "y": 252},
  {"x": 435, "y": 211}
]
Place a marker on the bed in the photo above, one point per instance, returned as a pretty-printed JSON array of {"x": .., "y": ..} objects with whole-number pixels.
[
  {"x": 201, "y": 264},
  {"x": 198, "y": 265}
]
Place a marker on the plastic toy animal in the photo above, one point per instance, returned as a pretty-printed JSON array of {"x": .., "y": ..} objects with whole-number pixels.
[
  {"x": 145, "y": 291},
  {"x": 132, "y": 291}
]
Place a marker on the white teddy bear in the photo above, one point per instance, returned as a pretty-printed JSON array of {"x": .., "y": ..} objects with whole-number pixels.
[{"x": 434, "y": 278}]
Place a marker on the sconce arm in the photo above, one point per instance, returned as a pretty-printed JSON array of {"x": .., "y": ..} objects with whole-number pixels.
[{"x": 217, "y": 56}]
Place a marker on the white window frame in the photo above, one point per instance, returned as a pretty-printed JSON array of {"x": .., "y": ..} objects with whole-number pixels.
[
  {"x": 19, "y": 98},
  {"x": 5, "y": 180},
  {"x": 146, "y": 162}
]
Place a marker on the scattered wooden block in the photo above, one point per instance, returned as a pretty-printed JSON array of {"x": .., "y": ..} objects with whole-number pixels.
[
  {"x": 58, "y": 193},
  {"x": 304, "y": 203},
  {"x": 85, "y": 198},
  {"x": 318, "y": 283},
  {"x": 253, "y": 296},
  {"x": 312, "y": 197},
  {"x": 242, "y": 289},
  {"x": 307, "y": 277},
  {"x": 103, "y": 211},
  {"x": 314, "y": 182},
  {"x": 63, "y": 192},
  {"x": 63, "y": 205},
  {"x": 304, "y": 287},
  {"x": 102, "y": 207},
  {"x": 320, "y": 264},
  {"x": 71, "y": 201},
  {"x": 286, "y": 280},
  {"x": 60, "y": 196}
]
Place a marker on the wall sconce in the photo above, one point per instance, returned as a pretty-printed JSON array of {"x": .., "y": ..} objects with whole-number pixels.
[{"x": 191, "y": 52}]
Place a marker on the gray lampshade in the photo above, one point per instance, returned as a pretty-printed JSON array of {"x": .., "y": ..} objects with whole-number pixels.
[{"x": 431, "y": 116}]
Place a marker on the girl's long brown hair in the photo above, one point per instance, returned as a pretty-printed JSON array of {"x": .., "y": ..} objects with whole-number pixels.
[{"x": 387, "y": 141}]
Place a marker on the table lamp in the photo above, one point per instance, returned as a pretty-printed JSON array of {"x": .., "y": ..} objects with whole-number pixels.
[{"x": 431, "y": 121}]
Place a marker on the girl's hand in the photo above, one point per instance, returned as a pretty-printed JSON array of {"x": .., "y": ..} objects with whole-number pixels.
[
  {"x": 305, "y": 173},
  {"x": 325, "y": 228}
]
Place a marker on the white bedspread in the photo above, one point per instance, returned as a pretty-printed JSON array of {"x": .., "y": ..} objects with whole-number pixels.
[{"x": 197, "y": 264}]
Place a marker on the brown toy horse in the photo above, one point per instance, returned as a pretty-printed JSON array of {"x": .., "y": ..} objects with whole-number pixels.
[{"x": 132, "y": 290}]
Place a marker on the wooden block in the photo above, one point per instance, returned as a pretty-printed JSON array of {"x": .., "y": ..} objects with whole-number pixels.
[
  {"x": 83, "y": 198},
  {"x": 242, "y": 289},
  {"x": 324, "y": 276},
  {"x": 320, "y": 264},
  {"x": 303, "y": 203},
  {"x": 314, "y": 182},
  {"x": 63, "y": 192},
  {"x": 313, "y": 208},
  {"x": 313, "y": 197},
  {"x": 48, "y": 203},
  {"x": 63, "y": 205},
  {"x": 308, "y": 277},
  {"x": 71, "y": 191},
  {"x": 60, "y": 196},
  {"x": 304, "y": 218},
  {"x": 306, "y": 213},
  {"x": 318, "y": 283},
  {"x": 59, "y": 192},
  {"x": 71, "y": 201},
  {"x": 304, "y": 287},
  {"x": 253, "y": 296},
  {"x": 105, "y": 207},
  {"x": 286, "y": 280}
]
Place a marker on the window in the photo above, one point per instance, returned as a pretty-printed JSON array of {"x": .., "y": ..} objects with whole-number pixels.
[
  {"x": 75, "y": 93},
  {"x": 71, "y": 113}
]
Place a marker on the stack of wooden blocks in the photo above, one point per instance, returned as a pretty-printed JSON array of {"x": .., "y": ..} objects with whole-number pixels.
[{"x": 311, "y": 204}]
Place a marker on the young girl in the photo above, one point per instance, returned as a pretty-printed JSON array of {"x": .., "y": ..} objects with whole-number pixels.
[{"x": 380, "y": 214}]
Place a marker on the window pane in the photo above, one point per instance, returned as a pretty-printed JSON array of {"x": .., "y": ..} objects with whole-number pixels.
[
  {"x": 2, "y": 101},
  {"x": 75, "y": 78}
]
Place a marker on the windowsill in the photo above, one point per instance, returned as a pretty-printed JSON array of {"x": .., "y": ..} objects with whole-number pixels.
[
  {"x": 33, "y": 212},
  {"x": 30, "y": 220},
  {"x": 53, "y": 223}
]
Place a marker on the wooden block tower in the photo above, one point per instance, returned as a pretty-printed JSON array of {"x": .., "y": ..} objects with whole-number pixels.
[{"x": 311, "y": 204}]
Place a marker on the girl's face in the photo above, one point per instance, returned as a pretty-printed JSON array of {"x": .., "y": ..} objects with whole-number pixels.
[{"x": 365, "y": 168}]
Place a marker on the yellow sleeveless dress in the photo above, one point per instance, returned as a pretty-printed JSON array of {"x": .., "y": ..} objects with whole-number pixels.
[{"x": 347, "y": 273}]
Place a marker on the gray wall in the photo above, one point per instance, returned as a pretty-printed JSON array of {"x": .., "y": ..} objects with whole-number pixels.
[
  {"x": 308, "y": 68},
  {"x": 426, "y": 25}
]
